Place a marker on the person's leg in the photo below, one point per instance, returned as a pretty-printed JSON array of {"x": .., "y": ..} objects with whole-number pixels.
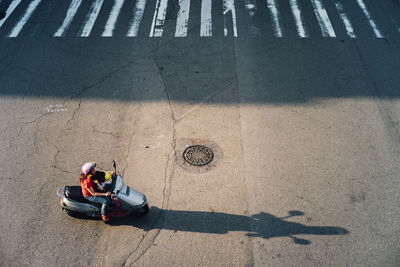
[
  {"x": 106, "y": 202},
  {"x": 101, "y": 200}
]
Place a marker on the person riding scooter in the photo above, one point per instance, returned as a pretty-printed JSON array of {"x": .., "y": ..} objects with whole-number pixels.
[
  {"x": 101, "y": 177},
  {"x": 88, "y": 171}
]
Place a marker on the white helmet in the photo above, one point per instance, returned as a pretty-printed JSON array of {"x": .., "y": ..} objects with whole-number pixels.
[{"x": 87, "y": 167}]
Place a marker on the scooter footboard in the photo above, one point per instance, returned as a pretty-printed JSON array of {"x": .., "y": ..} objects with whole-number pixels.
[{"x": 73, "y": 205}]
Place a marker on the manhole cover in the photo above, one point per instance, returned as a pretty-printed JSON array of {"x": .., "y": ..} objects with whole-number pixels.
[{"x": 198, "y": 155}]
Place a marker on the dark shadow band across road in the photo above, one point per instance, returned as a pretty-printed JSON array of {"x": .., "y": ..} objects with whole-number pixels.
[{"x": 194, "y": 70}]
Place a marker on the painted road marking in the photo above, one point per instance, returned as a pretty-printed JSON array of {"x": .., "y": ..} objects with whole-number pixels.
[
  {"x": 157, "y": 25},
  {"x": 229, "y": 8},
  {"x": 46, "y": 15},
  {"x": 181, "y": 27},
  {"x": 13, "y": 5},
  {"x": 300, "y": 26},
  {"x": 56, "y": 108},
  {"x": 21, "y": 23},
  {"x": 371, "y": 22},
  {"x": 323, "y": 19},
  {"x": 91, "y": 18},
  {"x": 73, "y": 8},
  {"x": 276, "y": 17},
  {"x": 251, "y": 9},
  {"x": 182, "y": 19},
  {"x": 137, "y": 18},
  {"x": 112, "y": 18},
  {"x": 345, "y": 19},
  {"x": 206, "y": 18}
]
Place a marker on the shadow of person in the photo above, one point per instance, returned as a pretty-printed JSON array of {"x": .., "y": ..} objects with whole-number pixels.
[
  {"x": 262, "y": 225},
  {"x": 268, "y": 226}
]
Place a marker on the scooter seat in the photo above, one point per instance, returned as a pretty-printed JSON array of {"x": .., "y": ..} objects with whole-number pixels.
[{"x": 75, "y": 193}]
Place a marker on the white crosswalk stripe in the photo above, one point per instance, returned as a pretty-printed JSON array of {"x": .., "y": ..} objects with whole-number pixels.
[
  {"x": 136, "y": 19},
  {"x": 251, "y": 8},
  {"x": 229, "y": 10},
  {"x": 73, "y": 8},
  {"x": 323, "y": 19},
  {"x": 371, "y": 22},
  {"x": 159, "y": 18},
  {"x": 345, "y": 19},
  {"x": 300, "y": 26},
  {"x": 182, "y": 19},
  {"x": 206, "y": 18},
  {"x": 27, "y": 15},
  {"x": 112, "y": 19},
  {"x": 45, "y": 15},
  {"x": 91, "y": 18},
  {"x": 10, "y": 10},
  {"x": 271, "y": 8},
  {"x": 276, "y": 17}
]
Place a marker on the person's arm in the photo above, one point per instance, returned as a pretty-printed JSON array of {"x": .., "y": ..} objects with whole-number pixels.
[
  {"x": 98, "y": 194},
  {"x": 98, "y": 185}
]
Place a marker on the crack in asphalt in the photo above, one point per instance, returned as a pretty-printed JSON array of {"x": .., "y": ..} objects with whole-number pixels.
[
  {"x": 34, "y": 120},
  {"x": 34, "y": 143},
  {"x": 103, "y": 79},
  {"x": 130, "y": 141},
  {"x": 4, "y": 130},
  {"x": 13, "y": 139},
  {"x": 167, "y": 179},
  {"x": 251, "y": 249},
  {"x": 13, "y": 178},
  {"x": 100, "y": 81},
  {"x": 98, "y": 131},
  {"x": 384, "y": 112},
  {"x": 75, "y": 111},
  {"x": 55, "y": 159}
]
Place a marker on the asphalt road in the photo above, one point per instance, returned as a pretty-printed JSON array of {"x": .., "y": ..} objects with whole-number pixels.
[{"x": 303, "y": 117}]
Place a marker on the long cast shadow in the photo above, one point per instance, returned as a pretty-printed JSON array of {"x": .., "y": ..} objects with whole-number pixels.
[{"x": 263, "y": 224}]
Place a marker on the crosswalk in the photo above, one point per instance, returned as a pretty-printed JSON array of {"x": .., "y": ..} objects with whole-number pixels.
[{"x": 251, "y": 8}]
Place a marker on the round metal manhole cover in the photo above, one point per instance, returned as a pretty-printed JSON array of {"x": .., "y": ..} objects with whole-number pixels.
[{"x": 198, "y": 155}]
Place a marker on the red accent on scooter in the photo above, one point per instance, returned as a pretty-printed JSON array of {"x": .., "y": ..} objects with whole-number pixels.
[{"x": 116, "y": 212}]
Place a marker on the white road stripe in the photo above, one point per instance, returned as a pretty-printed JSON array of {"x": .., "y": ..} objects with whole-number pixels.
[
  {"x": 323, "y": 19},
  {"x": 91, "y": 18},
  {"x": 73, "y": 8},
  {"x": 301, "y": 29},
  {"x": 137, "y": 18},
  {"x": 229, "y": 7},
  {"x": 28, "y": 13},
  {"x": 345, "y": 19},
  {"x": 182, "y": 19},
  {"x": 206, "y": 18},
  {"x": 273, "y": 8},
  {"x": 112, "y": 19},
  {"x": 369, "y": 18},
  {"x": 49, "y": 10},
  {"x": 13, "y": 5},
  {"x": 159, "y": 18},
  {"x": 251, "y": 8}
]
